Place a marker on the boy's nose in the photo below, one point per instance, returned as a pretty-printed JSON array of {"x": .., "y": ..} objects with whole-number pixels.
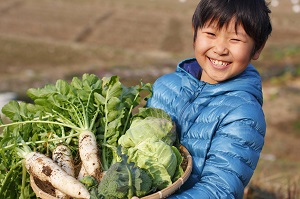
[{"x": 220, "y": 48}]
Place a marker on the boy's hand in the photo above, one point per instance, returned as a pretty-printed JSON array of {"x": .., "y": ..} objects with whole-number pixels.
[{"x": 134, "y": 197}]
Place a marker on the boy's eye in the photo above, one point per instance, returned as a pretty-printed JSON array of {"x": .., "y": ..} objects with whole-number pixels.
[
  {"x": 210, "y": 34},
  {"x": 235, "y": 40}
]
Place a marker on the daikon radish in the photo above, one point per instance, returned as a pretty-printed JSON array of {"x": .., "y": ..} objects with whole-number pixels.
[
  {"x": 89, "y": 154},
  {"x": 63, "y": 157},
  {"x": 45, "y": 169},
  {"x": 82, "y": 173}
]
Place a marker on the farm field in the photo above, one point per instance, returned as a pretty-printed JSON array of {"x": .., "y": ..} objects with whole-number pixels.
[{"x": 44, "y": 40}]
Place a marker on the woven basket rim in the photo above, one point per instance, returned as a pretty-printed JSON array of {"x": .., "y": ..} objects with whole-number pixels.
[{"x": 157, "y": 195}]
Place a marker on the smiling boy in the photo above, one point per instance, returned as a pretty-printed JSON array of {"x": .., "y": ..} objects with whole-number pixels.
[
  {"x": 216, "y": 100},
  {"x": 223, "y": 52}
]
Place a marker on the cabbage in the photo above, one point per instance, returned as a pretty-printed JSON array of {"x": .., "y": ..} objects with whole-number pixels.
[
  {"x": 149, "y": 143},
  {"x": 150, "y": 127}
]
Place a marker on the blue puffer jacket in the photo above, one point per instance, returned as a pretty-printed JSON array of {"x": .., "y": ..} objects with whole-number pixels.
[{"x": 222, "y": 126}]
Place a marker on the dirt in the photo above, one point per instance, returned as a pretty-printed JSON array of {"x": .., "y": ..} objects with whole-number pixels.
[
  {"x": 43, "y": 187},
  {"x": 44, "y": 40}
]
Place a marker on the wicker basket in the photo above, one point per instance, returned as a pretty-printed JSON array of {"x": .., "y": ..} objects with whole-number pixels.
[{"x": 41, "y": 193}]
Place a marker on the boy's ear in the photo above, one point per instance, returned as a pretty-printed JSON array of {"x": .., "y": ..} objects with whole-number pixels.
[{"x": 257, "y": 53}]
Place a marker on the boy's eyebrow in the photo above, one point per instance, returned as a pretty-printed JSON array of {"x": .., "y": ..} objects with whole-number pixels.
[
  {"x": 214, "y": 25},
  {"x": 239, "y": 33},
  {"x": 242, "y": 34}
]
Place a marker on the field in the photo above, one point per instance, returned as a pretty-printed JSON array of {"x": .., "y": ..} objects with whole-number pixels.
[{"x": 44, "y": 40}]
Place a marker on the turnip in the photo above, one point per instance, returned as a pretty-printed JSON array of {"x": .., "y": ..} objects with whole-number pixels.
[
  {"x": 63, "y": 157},
  {"x": 45, "y": 169}
]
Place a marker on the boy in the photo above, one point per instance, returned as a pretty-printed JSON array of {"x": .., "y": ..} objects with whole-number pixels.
[{"x": 215, "y": 99}]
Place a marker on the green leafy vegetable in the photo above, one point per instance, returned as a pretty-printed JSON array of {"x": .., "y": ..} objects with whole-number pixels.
[
  {"x": 61, "y": 112},
  {"x": 149, "y": 144},
  {"x": 156, "y": 157},
  {"x": 88, "y": 108},
  {"x": 150, "y": 127}
]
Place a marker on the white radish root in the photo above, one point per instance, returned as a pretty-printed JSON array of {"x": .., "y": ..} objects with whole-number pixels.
[
  {"x": 61, "y": 195},
  {"x": 62, "y": 156},
  {"x": 44, "y": 168},
  {"x": 82, "y": 173},
  {"x": 89, "y": 154}
]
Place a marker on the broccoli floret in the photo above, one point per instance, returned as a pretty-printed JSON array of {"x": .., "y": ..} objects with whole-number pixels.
[
  {"x": 124, "y": 180},
  {"x": 89, "y": 181}
]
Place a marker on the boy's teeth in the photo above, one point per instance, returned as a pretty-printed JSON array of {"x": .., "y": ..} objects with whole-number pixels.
[{"x": 219, "y": 63}]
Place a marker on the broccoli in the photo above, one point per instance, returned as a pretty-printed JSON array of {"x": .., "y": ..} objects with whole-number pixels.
[
  {"x": 89, "y": 182},
  {"x": 123, "y": 180}
]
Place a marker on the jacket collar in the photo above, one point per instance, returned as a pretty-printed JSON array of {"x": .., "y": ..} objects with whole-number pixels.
[{"x": 249, "y": 80}]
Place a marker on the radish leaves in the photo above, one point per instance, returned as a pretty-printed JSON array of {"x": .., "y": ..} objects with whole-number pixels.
[{"x": 59, "y": 113}]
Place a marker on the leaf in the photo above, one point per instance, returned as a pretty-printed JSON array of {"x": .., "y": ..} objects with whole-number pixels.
[
  {"x": 151, "y": 127},
  {"x": 112, "y": 87},
  {"x": 179, "y": 171},
  {"x": 99, "y": 99},
  {"x": 35, "y": 93},
  {"x": 62, "y": 87},
  {"x": 148, "y": 88},
  {"x": 152, "y": 112},
  {"x": 83, "y": 95},
  {"x": 130, "y": 96},
  {"x": 91, "y": 79},
  {"x": 113, "y": 103},
  {"x": 157, "y": 158},
  {"x": 58, "y": 113},
  {"x": 76, "y": 83},
  {"x": 12, "y": 110}
]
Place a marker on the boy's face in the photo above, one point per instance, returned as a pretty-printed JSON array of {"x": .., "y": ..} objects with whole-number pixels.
[{"x": 223, "y": 53}]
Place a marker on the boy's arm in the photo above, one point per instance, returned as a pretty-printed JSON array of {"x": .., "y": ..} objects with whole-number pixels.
[{"x": 232, "y": 157}]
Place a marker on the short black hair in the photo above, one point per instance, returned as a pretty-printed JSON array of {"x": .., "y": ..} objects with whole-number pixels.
[{"x": 253, "y": 15}]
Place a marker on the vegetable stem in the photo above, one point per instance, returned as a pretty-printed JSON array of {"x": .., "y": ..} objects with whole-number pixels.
[
  {"x": 128, "y": 116},
  {"x": 41, "y": 141},
  {"x": 8, "y": 176},
  {"x": 94, "y": 119},
  {"x": 104, "y": 156},
  {"x": 45, "y": 122},
  {"x": 86, "y": 120},
  {"x": 24, "y": 172},
  {"x": 130, "y": 185}
]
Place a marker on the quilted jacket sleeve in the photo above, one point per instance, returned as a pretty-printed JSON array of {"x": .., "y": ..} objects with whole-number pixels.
[{"x": 232, "y": 156}]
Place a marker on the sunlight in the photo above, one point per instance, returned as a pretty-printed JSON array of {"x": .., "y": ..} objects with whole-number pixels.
[{"x": 295, "y": 5}]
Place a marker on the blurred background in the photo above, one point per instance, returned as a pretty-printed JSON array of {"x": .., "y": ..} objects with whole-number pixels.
[{"x": 45, "y": 40}]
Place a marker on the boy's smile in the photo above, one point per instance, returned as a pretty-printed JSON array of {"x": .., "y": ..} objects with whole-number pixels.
[
  {"x": 219, "y": 64},
  {"x": 223, "y": 53}
]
